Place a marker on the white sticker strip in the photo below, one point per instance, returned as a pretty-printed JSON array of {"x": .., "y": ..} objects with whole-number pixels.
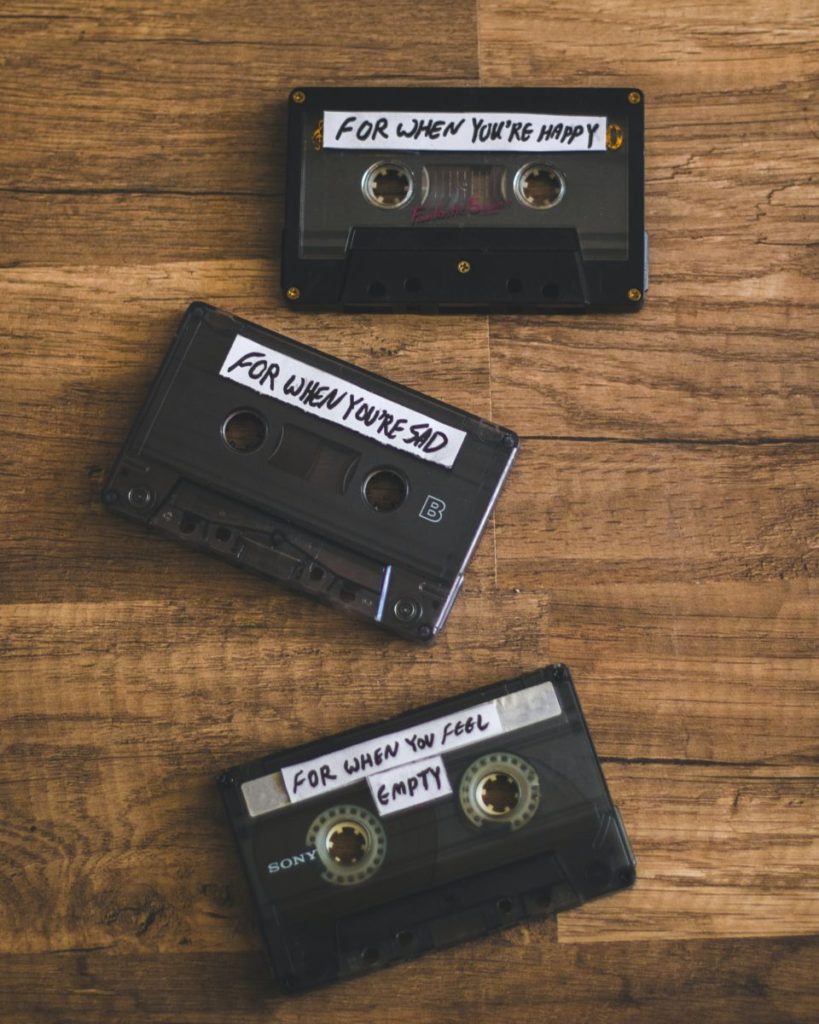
[
  {"x": 332, "y": 398},
  {"x": 409, "y": 785},
  {"x": 409, "y": 747},
  {"x": 530, "y": 133},
  {"x": 342, "y": 767}
]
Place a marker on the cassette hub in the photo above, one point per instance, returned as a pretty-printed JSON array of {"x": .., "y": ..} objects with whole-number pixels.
[
  {"x": 387, "y": 184},
  {"x": 539, "y": 186},
  {"x": 350, "y": 843},
  {"x": 500, "y": 788}
]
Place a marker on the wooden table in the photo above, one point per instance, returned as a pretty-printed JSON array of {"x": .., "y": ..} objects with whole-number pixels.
[{"x": 659, "y": 533}]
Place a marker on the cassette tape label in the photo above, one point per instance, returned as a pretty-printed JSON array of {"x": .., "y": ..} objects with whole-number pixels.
[
  {"x": 329, "y": 397},
  {"x": 448, "y": 132},
  {"x": 343, "y": 767},
  {"x": 409, "y": 785}
]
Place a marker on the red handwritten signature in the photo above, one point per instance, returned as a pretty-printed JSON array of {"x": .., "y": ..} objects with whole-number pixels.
[{"x": 471, "y": 208}]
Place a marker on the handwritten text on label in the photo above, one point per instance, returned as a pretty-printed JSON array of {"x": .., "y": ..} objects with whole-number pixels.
[
  {"x": 332, "y": 398},
  {"x": 409, "y": 785},
  {"x": 533, "y": 133},
  {"x": 341, "y": 767}
]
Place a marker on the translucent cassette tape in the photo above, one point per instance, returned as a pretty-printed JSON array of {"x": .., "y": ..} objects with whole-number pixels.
[
  {"x": 348, "y": 487},
  {"x": 440, "y": 825},
  {"x": 455, "y": 199}
]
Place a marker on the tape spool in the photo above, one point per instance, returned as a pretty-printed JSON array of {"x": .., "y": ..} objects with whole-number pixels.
[
  {"x": 350, "y": 843},
  {"x": 500, "y": 788}
]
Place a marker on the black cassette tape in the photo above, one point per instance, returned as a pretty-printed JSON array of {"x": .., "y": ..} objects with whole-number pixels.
[
  {"x": 437, "y": 826},
  {"x": 451, "y": 200},
  {"x": 311, "y": 471}
]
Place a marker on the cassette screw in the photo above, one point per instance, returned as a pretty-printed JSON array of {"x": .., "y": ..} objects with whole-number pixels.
[
  {"x": 614, "y": 136},
  {"x": 298, "y": 96},
  {"x": 634, "y": 97},
  {"x": 140, "y": 497},
  {"x": 405, "y": 609},
  {"x": 293, "y": 293},
  {"x": 425, "y": 632},
  {"x": 464, "y": 266},
  {"x": 634, "y": 294}
]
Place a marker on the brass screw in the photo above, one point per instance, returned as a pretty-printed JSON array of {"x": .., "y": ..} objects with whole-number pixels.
[
  {"x": 293, "y": 293},
  {"x": 464, "y": 266},
  {"x": 635, "y": 294},
  {"x": 614, "y": 136},
  {"x": 298, "y": 96},
  {"x": 633, "y": 97}
]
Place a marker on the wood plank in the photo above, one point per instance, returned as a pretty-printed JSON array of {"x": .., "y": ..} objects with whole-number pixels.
[
  {"x": 105, "y": 850},
  {"x": 644, "y": 513},
  {"x": 723, "y": 674},
  {"x": 631, "y": 983},
  {"x": 719, "y": 674},
  {"x": 193, "y": 95},
  {"x": 723, "y": 348},
  {"x": 51, "y": 229},
  {"x": 733, "y": 366},
  {"x": 239, "y": 670},
  {"x": 726, "y": 851}
]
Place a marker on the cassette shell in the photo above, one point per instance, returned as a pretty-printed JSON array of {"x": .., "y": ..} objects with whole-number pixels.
[
  {"x": 337, "y": 515},
  {"x": 439, "y": 878},
  {"x": 583, "y": 250}
]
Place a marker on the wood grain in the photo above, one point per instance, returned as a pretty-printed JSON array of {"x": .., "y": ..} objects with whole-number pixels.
[
  {"x": 723, "y": 981},
  {"x": 642, "y": 513},
  {"x": 719, "y": 675},
  {"x": 188, "y": 97},
  {"x": 725, "y": 348},
  {"x": 658, "y": 533},
  {"x": 725, "y": 370}
]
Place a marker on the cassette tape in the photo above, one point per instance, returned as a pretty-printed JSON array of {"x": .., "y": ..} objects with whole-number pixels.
[
  {"x": 452, "y": 200},
  {"x": 431, "y": 828},
  {"x": 309, "y": 470}
]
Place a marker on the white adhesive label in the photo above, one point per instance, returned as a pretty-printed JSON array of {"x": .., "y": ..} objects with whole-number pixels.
[
  {"x": 342, "y": 767},
  {"x": 332, "y": 398},
  {"x": 409, "y": 785},
  {"x": 530, "y": 133}
]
